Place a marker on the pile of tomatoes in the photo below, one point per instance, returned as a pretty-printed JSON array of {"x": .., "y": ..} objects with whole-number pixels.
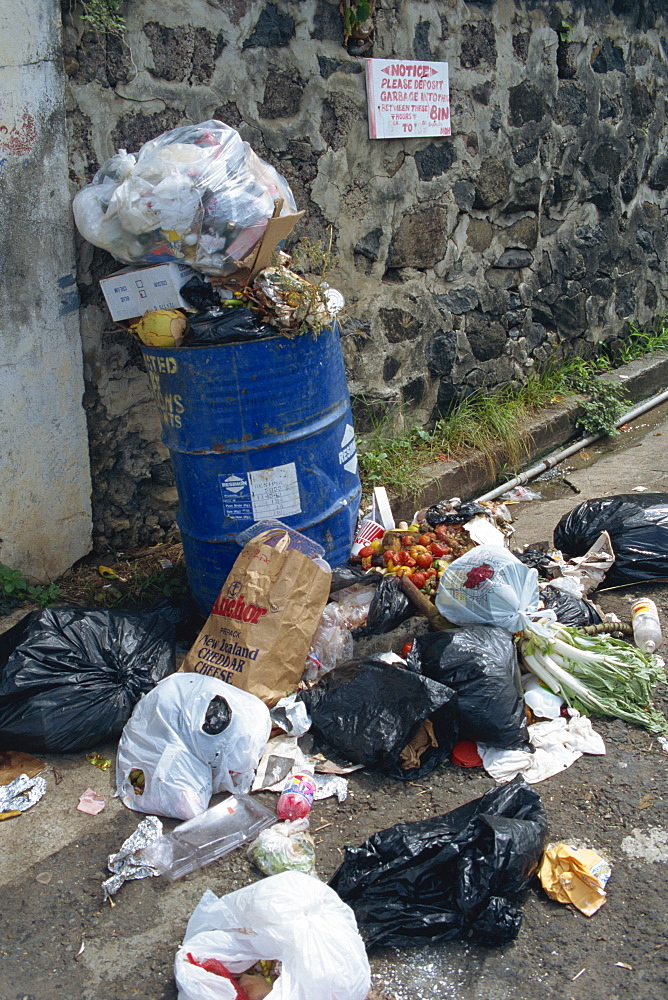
[{"x": 419, "y": 552}]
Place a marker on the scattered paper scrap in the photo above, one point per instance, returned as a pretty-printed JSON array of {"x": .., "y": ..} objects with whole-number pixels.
[
  {"x": 91, "y": 803},
  {"x": 575, "y": 875}
]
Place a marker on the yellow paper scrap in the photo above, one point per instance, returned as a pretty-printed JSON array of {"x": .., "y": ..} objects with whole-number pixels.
[
  {"x": 575, "y": 875},
  {"x": 10, "y": 814},
  {"x": 108, "y": 572},
  {"x": 99, "y": 761}
]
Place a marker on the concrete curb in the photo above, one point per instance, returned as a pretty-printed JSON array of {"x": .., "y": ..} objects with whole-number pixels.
[{"x": 550, "y": 429}]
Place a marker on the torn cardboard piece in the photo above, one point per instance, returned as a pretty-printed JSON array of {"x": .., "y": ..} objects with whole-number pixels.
[
  {"x": 278, "y": 228},
  {"x": 14, "y": 762}
]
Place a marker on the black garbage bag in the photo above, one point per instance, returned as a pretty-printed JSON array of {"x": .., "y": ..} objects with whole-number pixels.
[
  {"x": 442, "y": 513},
  {"x": 184, "y": 615},
  {"x": 347, "y": 576},
  {"x": 453, "y": 876},
  {"x": 226, "y": 325},
  {"x": 638, "y": 528},
  {"x": 576, "y": 612},
  {"x": 479, "y": 662},
  {"x": 369, "y": 710},
  {"x": 199, "y": 293},
  {"x": 70, "y": 677},
  {"x": 536, "y": 559},
  {"x": 389, "y": 608}
]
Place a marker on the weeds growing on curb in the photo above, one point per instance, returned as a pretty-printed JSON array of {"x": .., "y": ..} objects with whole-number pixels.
[
  {"x": 638, "y": 343},
  {"x": 494, "y": 421}
]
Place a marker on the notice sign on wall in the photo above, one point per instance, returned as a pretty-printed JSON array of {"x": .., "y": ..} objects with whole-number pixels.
[{"x": 407, "y": 97}]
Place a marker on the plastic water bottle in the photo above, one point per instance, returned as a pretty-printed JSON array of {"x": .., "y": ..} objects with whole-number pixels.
[
  {"x": 296, "y": 799},
  {"x": 646, "y": 625}
]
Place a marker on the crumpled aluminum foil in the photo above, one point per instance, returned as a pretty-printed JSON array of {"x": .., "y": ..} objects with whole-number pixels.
[
  {"x": 291, "y": 715},
  {"x": 289, "y": 299},
  {"x": 21, "y": 793},
  {"x": 126, "y": 863},
  {"x": 330, "y": 784}
]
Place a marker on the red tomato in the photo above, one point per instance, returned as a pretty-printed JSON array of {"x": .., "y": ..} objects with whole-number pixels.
[
  {"x": 419, "y": 580},
  {"x": 425, "y": 539},
  {"x": 407, "y": 541},
  {"x": 404, "y": 559},
  {"x": 442, "y": 532},
  {"x": 424, "y": 560},
  {"x": 406, "y": 648},
  {"x": 439, "y": 550},
  {"x": 389, "y": 556},
  {"x": 366, "y": 551}
]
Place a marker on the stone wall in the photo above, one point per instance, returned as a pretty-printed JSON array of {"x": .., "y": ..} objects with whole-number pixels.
[{"x": 539, "y": 227}]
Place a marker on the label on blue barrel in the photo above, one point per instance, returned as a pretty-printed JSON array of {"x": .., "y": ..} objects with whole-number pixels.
[
  {"x": 236, "y": 496},
  {"x": 253, "y": 496},
  {"x": 348, "y": 452}
]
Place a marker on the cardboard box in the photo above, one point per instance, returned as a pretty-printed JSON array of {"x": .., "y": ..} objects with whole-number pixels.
[
  {"x": 132, "y": 291},
  {"x": 278, "y": 227}
]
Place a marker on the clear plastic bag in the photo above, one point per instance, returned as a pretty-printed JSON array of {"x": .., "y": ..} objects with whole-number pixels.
[
  {"x": 332, "y": 643},
  {"x": 197, "y": 194},
  {"x": 190, "y": 737},
  {"x": 290, "y": 917},
  {"x": 488, "y": 586},
  {"x": 274, "y": 532},
  {"x": 284, "y": 847},
  {"x": 353, "y": 605}
]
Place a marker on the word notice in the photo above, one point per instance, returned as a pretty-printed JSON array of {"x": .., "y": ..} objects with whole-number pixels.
[{"x": 407, "y": 97}]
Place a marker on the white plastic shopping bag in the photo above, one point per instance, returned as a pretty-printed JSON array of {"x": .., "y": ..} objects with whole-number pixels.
[
  {"x": 488, "y": 586},
  {"x": 290, "y": 917},
  {"x": 171, "y": 738}
]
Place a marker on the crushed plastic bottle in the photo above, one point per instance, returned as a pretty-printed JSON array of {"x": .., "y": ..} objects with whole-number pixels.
[{"x": 646, "y": 625}]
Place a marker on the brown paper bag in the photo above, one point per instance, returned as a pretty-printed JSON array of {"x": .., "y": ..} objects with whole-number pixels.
[{"x": 261, "y": 626}]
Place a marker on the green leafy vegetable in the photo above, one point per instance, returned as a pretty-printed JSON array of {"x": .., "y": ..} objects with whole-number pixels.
[{"x": 596, "y": 674}]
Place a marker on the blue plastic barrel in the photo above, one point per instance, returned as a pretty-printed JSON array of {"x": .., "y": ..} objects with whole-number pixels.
[{"x": 255, "y": 430}]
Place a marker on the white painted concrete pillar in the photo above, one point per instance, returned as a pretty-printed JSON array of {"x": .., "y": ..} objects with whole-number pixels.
[{"x": 45, "y": 513}]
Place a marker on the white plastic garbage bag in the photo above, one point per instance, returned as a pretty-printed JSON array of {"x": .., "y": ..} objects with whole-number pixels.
[
  {"x": 488, "y": 586},
  {"x": 184, "y": 764},
  {"x": 197, "y": 194},
  {"x": 290, "y": 917}
]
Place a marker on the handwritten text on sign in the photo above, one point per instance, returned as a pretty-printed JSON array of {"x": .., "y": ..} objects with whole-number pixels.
[{"x": 407, "y": 97}]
